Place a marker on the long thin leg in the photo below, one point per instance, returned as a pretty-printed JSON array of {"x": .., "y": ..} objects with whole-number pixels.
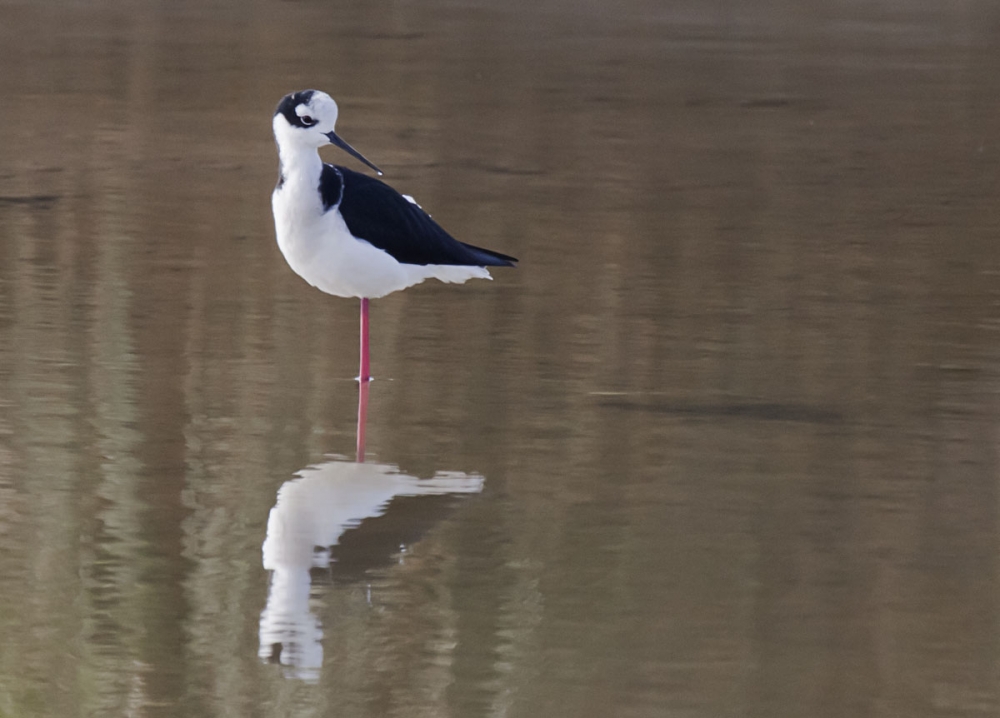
[
  {"x": 365, "y": 375},
  {"x": 362, "y": 418}
]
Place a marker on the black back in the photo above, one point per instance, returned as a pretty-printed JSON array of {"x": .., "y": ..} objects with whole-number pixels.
[{"x": 378, "y": 214}]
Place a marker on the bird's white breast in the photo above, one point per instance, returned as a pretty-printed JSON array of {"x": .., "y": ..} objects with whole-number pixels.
[{"x": 320, "y": 248}]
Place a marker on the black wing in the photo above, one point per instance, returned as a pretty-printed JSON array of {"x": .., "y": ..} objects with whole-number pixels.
[{"x": 378, "y": 214}]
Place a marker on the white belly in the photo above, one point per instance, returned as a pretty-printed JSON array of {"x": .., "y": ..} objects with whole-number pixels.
[{"x": 319, "y": 248}]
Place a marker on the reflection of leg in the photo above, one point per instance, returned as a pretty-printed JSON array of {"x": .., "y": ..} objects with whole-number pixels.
[
  {"x": 365, "y": 374},
  {"x": 364, "y": 379},
  {"x": 362, "y": 418}
]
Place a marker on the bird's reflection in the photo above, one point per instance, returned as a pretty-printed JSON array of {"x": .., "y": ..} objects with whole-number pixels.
[{"x": 306, "y": 530}]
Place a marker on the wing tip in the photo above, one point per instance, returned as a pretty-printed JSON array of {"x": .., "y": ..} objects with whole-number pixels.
[{"x": 490, "y": 258}]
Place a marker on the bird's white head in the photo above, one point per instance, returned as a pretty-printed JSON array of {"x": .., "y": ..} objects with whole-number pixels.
[{"x": 306, "y": 120}]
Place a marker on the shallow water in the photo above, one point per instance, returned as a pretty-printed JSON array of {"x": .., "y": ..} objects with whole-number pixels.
[{"x": 723, "y": 444}]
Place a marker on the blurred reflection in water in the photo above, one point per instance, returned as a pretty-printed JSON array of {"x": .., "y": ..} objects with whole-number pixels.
[{"x": 305, "y": 531}]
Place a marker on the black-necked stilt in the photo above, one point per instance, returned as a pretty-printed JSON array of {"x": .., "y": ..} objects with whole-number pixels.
[
  {"x": 348, "y": 234},
  {"x": 313, "y": 511}
]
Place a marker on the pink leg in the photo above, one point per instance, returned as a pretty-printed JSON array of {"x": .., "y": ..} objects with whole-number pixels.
[
  {"x": 365, "y": 375},
  {"x": 362, "y": 418}
]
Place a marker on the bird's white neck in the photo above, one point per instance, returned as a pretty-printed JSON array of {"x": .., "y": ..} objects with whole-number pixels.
[{"x": 298, "y": 161}]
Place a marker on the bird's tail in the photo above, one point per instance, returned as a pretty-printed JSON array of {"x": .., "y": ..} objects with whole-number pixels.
[{"x": 489, "y": 258}]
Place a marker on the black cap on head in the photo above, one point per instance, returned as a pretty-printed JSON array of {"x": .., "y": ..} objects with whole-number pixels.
[{"x": 288, "y": 104}]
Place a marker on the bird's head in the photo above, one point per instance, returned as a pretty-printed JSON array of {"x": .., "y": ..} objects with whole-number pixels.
[{"x": 306, "y": 119}]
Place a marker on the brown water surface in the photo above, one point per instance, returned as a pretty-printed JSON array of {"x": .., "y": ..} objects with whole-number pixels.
[{"x": 725, "y": 444}]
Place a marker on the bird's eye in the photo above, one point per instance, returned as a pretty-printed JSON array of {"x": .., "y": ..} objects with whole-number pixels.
[{"x": 307, "y": 120}]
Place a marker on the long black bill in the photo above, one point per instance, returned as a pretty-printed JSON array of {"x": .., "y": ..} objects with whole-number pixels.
[{"x": 336, "y": 139}]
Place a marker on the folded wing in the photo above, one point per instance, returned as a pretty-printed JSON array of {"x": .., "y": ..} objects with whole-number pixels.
[{"x": 381, "y": 216}]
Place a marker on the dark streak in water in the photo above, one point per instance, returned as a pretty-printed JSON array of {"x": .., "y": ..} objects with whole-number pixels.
[
  {"x": 36, "y": 200},
  {"x": 766, "y": 103},
  {"x": 735, "y": 410}
]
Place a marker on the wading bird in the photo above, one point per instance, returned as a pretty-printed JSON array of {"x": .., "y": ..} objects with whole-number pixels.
[{"x": 349, "y": 234}]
